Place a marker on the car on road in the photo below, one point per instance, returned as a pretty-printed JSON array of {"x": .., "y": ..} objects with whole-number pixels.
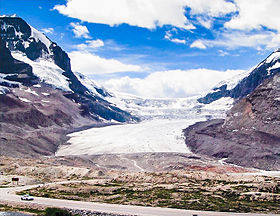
[{"x": 27, "y": 197}]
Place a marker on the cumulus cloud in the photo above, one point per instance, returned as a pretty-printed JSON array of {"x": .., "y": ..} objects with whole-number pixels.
[
  {"x": 256, "y": 25},
  {"x": 142, "y": 13},
  {"x": 90, "y": 64},
  {"x": 198, "y": 44},
  {"x": 214, "y": 8},
  {"x": 90, "y": 44},
  {"x": 254, "y": 14},
  {"x": 80, "y": 31},
  {"x": 169, "y": 36},
  {"x": 172, "y": 83},
  {"x": 237, "y": 39},
  {"x": 48, "y": 30},
  {"x": 205, "y": 21}
]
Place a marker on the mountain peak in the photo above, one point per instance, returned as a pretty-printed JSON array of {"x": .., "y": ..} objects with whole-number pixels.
[
  {"x": 251, "y": 80},
  {"x": 52, "y": 66}
]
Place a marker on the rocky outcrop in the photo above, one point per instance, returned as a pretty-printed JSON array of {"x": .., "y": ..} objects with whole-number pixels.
[
  {"x": 249, "y": 136},
  {"x": 13, "y": 69},
  {"x": 34, "y": 121}
]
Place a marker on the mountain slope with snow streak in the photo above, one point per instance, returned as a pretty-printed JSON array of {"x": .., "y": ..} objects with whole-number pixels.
[{"x": 240, "y": 86}]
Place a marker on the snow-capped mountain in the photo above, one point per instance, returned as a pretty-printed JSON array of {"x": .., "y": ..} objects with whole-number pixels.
[
  {"x": 249, "y": 135},
  {"x": 41, "y": 98},
  {"x": 51, "y": 65},
  {"x": 240, "y": 86}
]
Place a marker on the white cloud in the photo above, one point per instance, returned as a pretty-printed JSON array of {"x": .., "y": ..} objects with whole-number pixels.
[
  {"x": 207, "y": 22},
  {"x": 176, "y": 40},
  {"x": 48, "y": 30},
  {"x": 172, "y": 84},
  {"x": 142, "y": 13},
  {"x": 223, "y": 53},
  {"x": 90, "y": 44},
  {"x": 253, "y": 14},
  {"x": 198, "y": 44},
  {"x": 89, "y": 64},
  {"x": 80, "y": 31},
  {"x": 237, "y": 39},
  {"x": 169, "y": 36},
  {"x": 214, "y": 8}
]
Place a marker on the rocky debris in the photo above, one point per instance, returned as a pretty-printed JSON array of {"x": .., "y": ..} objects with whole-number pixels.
[
  {"x": 96, "y": 167},
  {"x": 264, "y": 70},
  {"x": 92, "y": 213},
  {"x": 34, "y": 121},
  {"x": 249, "y": 136}
]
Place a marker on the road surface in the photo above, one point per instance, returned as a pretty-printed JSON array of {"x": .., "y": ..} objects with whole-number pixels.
[{"x": 8, "y": 194}]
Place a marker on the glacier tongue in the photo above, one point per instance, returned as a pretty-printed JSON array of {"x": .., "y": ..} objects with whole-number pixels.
[{"x": 160, "y": 130}]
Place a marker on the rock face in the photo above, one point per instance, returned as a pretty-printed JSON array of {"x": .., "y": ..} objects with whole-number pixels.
[
  {"x": 13, "y": 69},
  {"x": 249, "y": 136},
  {"x": 266, "y": 69},
  {"x": 41, "y": 98}
]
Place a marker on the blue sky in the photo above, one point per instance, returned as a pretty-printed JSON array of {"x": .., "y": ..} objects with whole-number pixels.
[{"x": 121, "y": 42}]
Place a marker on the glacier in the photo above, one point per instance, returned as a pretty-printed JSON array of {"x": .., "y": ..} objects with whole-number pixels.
[{"x": 160, "y": 130}]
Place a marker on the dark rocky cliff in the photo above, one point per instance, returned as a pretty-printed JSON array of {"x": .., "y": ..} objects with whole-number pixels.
[{"x": 13, "y": 69}]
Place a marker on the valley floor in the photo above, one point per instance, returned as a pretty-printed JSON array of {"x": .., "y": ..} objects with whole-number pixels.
[{"x": 170, "y": 180}]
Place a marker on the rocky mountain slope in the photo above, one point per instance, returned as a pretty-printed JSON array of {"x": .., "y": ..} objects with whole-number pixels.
[
  {"x": 247, "y": 82},
  {"x": 41, "y": 98},
  {"x": 250, "y": 134}
]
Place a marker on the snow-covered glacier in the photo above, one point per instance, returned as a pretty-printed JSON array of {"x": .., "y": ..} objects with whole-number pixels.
[{"x": 159, "y": 131}]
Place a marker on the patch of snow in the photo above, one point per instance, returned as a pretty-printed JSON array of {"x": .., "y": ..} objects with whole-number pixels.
[
  {"x": 31, "y": 91},
  {"x": 222, "y": 161},
  {"x": 90, "y": 84},
  {"x": 2, "y": 79},
  {"x": 223, "y": 104},
  {"x": 274, "y": 56},
  {"x": 13, "y": 15},
  {"x": 114, "y": 121},
  {"x": 3, "y": 90},
  {"x": 37, "y": 35},
  {"x": 275, "y": 66},
  {"x": 24, "y": 100},
  {"x": 233, "y": 81},
  {"x": 46, "y": 70},
  {"x": 45, "y": 93},
  {"x": 45, "y": 101},
  {"x": 37, "y": 86}
]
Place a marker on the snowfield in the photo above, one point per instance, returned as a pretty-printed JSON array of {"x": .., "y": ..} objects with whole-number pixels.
[{"x": 148, "y": 136}]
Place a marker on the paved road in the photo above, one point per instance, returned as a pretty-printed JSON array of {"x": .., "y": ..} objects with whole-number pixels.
[{"x": 8, "y": 194}]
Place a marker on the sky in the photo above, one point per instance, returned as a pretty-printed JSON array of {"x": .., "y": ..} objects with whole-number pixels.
[{"x": 157, "y": 48}]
